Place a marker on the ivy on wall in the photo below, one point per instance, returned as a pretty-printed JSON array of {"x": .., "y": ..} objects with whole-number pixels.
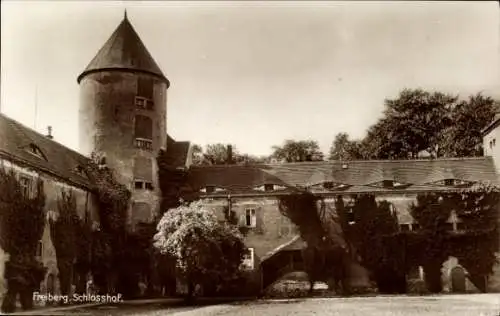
[
  {"x": 110, "y": 240},
  {"x": 22, "y": 222}
]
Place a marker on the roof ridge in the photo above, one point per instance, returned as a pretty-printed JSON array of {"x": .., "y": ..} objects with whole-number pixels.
[
  {"x": 334, "y": 162},
  {"x": 17, "y": 124}
]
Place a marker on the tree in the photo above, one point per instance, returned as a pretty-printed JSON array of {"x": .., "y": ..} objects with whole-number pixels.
[
  {"x": 63, "y": 232},
  {"x": 324, "y": 255},
  {"x": 206, "y": 251},
  {"x": 435, "y": 122},
  {"x": 22, "y": 222},
  {"x": 298, "y": 151},
  {"x": 197, "y": 154},
  {"x": 371, "y": 228},
  {"x": 463, "y": 138},
  {"x": 345, "y": 149},
  {"x": 412, "y": 123},
  {"x": 431, "y": 213},
  {"x": 218, "y": 154}
]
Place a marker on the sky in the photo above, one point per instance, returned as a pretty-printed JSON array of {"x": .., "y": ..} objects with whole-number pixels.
[{"x": 252, "y": 73}]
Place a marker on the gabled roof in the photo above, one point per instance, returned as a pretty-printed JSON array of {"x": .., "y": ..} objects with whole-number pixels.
[
  {"x": 418, "y": 175},
  {"x": 178, "y": 153},
  {"x": 492, "y": 125},
  {"x": 16, "y": 140},
  {"x": 495, "y": 122},
  {"x": 124, "y": 50}
]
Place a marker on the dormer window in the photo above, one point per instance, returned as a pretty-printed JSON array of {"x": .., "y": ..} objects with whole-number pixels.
[
  {"x": 269, "y": 187},
  {"x": 35, "y": 151},
  {"x": 80, "y": 171},
  {"x": 390, "y": 184},
  {"x": 330, "y": 185},
  {"x": 454, "y": 183},
  {"x": 210, "y": 189},
  {"x": 449, "y": 182}
]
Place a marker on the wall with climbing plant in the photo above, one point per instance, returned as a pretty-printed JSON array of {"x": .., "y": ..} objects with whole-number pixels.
[{"x": 52, "y": 188}]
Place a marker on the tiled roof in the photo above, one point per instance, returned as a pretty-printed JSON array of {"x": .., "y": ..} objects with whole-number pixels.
[
  {"x": 124, "y": 50},
  {"x": 359, "y": 176},
  {"x": 57, "y": 160},
  {"x": 178, "y": 153},
  {"x": 496, "y": 120},
  {"x": 492, "y": 125}
]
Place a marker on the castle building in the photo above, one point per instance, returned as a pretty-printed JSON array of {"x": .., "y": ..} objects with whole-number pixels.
[{"x": 122, "y": 122}]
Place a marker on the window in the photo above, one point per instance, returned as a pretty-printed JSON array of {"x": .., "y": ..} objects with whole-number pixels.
[
  {"x": 449, "y": 182},
  {"x": 141, "y": 185},
  {"x": 210, "y": 189},
  {"x": 350, "y": 216},
  {"x": 250, "y": 217},
  {"x": 388, "y": 183},
  {"x": 26, "y": 185},
  {"x": 143, "y": 132},
  {"x": 405, "y": 227},
  {"x": 460, "y": 226},
  {"x": 143, "y": 127},
  {"x": 328, "y": 185},
  {"x": 145, "y": 87},
  {"x": 415, "y": 226},
  {"x": 35, "y": 151},
  {"x": 39, "y": 249},
  {"x": 268, "y": 187},
  {"x": 248, "y": 259},
  {"x": 143, "y": 103}
]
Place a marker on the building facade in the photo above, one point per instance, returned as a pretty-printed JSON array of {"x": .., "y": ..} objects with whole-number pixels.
[
  {"x": 253, "y": 192},
  {"x": 122, "y": 120}
]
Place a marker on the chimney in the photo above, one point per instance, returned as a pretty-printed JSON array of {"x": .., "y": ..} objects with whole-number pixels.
[
  {"x": 49, "y": 132},
  {"x": 229, "y": 159}
]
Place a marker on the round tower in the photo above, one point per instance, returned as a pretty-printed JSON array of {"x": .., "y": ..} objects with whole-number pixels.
[{"x": 122, "y": 116}]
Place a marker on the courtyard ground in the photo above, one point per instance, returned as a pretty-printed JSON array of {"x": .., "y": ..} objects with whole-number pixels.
[{"x": 455, "y": 305}]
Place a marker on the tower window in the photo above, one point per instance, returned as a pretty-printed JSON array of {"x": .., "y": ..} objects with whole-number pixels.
[
  {"x": 144, "y": 103},
  {"x": 143, "y": 132},
  {"x": 141, "y": 185},
  {"x": 145, "y": 88}
]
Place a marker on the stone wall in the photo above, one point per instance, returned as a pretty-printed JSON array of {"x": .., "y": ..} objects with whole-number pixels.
[{"x": 107, "y": 125}]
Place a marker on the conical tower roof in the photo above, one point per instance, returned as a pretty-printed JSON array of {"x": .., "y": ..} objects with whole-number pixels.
[{"x": 124, "y": 50}]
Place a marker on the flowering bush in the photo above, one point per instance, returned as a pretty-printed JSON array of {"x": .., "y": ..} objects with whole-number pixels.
[{"x": 205, "y": 250}]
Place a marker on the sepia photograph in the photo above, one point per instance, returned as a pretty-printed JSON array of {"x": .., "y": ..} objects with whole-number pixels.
[{"x": 217, "y": 158}]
